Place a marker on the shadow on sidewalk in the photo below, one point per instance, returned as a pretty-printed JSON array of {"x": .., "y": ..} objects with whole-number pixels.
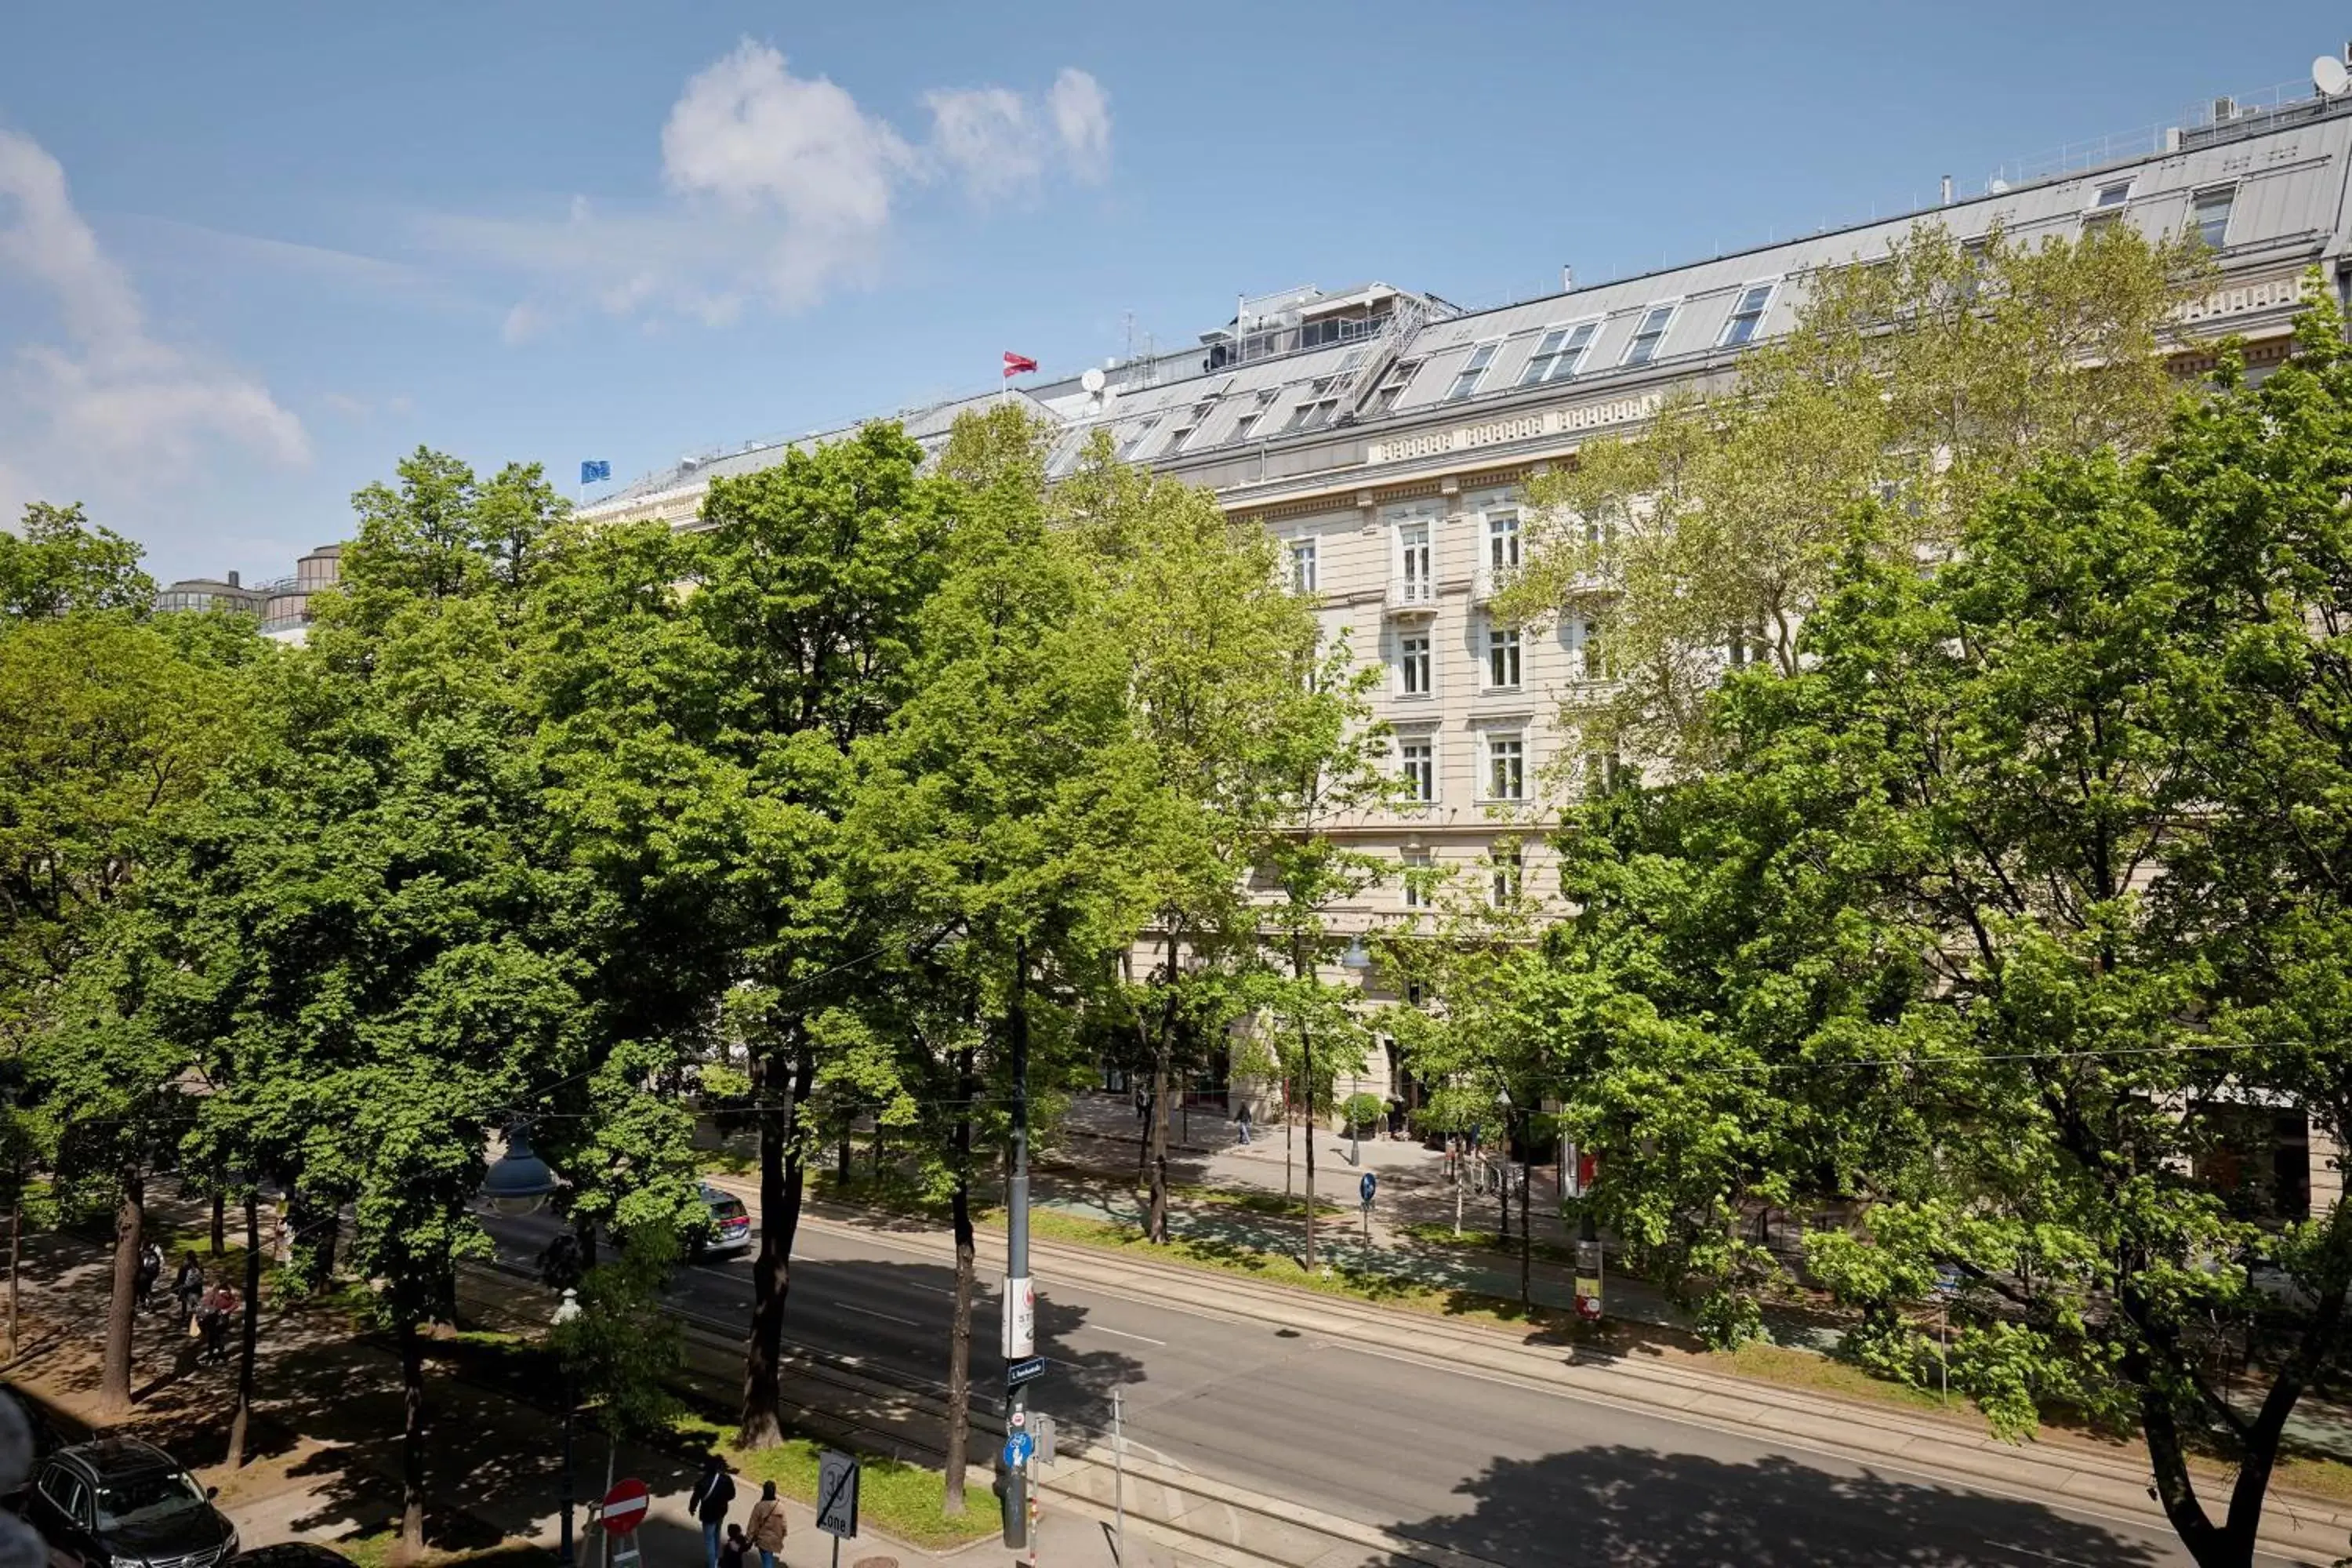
[{"x": 1634, "y": 1508}]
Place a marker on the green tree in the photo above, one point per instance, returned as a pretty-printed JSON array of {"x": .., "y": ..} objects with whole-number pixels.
[
  {"x": 811, "y": 583},
  {"x": 1931, "y": 377},
  {"x": 1215, "y": 645},
  {"x": 2006, "y": 906},
  {"x": 57, "y": 562}
]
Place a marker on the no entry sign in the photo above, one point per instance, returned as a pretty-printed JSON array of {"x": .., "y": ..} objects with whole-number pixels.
[{"x": 624, "y": 1506}]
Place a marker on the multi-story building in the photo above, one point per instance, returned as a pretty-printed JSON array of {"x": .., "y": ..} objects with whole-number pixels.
[{"x": 1386, "y": 436}]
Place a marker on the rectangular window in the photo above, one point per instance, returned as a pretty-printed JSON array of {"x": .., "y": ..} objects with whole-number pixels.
[
  {"x": 1302, "y": 566},
  {"x": 1748, "y": 315},
  {"x": 1505, "y": 885},
  {"x": 1248, "y": 422},
  {"x": 2114, "y": 193},
  {"x": 1503, "y": 657},
  {"x": 1413, "y": 665},
  {"x": 1418, "y": 762},
  {"x": 1412, "y": 562},
  {"x": 1600, "y": 773},
  {"x": 1596, "y": 650},
  {"x": 1472, "y": 371},
  {"x": 1192, "y": 422},
  {"x": 1135, "y": 442},
  {"x": 1506, "y": 767},
  {"x": 1503, "y": 543},
  {"x": 1392, "y": 385},
  {"x": 1318, "y": 407},
  {"x": 1650, "y": 334},
  {"x": 1560, "y": 354},
  {"x": 1416, "y": 879},
  {"x": 2210, "y": 215}
]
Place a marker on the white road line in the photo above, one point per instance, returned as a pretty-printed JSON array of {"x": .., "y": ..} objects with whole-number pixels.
[
  {"x": 870, "y": 1312},
  {"x": 1122, "y": 1334}
]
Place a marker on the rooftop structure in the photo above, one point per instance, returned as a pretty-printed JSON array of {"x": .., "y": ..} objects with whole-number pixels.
[{"x": 282, "y": 605}]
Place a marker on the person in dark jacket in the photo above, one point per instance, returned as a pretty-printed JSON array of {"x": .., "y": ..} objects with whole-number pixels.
[
  {"x": 150, "y": 1275},
  {"x": 188, "y": 1288},
  {"x": 709, "y": 1501}
]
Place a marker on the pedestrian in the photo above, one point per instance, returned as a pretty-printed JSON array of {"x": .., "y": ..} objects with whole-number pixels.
[
  {"x": 738, "y": 1546},
  {"x": 708, "y": 1502},
  {"x": 1396, "y": 1118},
  {"x": 219, "y": 1308},
  {"x": 767, "y": 1525},
  {"x": 1242, "y": 1122},
  {"x": 151, "y": 1271},
  {"x": 188, "y": 1288}
]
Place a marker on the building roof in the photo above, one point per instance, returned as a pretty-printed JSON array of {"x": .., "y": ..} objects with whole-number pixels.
[{"x": 2284, "y": 165}]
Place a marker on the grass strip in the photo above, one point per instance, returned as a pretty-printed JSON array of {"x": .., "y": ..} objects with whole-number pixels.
[{"x": 896, "y": 1498}]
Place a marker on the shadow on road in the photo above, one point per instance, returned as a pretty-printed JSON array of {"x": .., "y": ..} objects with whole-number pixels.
[{"x": 1634, "y": 1508}]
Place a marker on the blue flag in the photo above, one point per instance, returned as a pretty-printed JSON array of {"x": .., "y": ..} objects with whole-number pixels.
[{"x": 594, "y": 469}]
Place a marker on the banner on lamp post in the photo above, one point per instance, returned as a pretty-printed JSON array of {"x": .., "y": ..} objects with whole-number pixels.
[{"x": 1020, "y": 1319}]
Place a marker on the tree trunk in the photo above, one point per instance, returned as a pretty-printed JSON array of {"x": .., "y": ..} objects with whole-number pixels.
[
  {"x": 782, "y": 1176},
  {"x": 122, "y": 1302},
  {"x": 240, "y": 1423},
  {"x": 220, "y": 1223},
  {"x": 960, "y": 1326},
  {"x": 584, "y": 1232},
  {"x": 412, "y": 1441},
  {"x": 1155, "y": 1143},
  {"x": 16, "y": 1255}
]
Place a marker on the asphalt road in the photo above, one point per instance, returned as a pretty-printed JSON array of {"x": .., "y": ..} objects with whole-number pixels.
[{"x": 1457, "y": 1458}]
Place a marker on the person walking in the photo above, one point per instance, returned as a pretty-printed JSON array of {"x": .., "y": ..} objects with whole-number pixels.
[
  {"x": 708, "y": 1502},
  {"x": 767, "y": 1525},
  {"x": 150, "y": 1273},
  {"x": 737, "y": 1547},
  {"x": 188, "y": 1288},
  {"x": 218, "y": 1310},
  {"x": 1242, "y": 1122}
]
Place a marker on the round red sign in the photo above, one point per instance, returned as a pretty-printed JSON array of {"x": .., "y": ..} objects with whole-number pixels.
[{"x": 624, "y": 1506}]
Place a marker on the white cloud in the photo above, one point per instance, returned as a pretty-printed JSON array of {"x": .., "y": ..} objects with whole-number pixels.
[
  {"x": 109, "y": 404},
  {"x": 781, "y": 189},
  {"x": 1081, "y": 111}
]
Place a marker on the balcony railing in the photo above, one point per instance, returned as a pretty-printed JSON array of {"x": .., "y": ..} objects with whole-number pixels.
[{"x": 1411, "y": 595}]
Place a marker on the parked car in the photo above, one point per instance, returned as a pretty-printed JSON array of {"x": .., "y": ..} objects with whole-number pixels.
[
  {"x": 122, "y": 1503},
  {"x": 730, "y": 1224}
]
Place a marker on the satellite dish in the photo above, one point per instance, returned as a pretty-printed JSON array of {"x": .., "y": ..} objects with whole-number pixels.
[
  {"x": 1092, "y": 381},
  {"x": 2329, "y": 75}
]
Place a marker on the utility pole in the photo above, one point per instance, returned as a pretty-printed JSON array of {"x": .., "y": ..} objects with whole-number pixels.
[{"x": 1020, "y": 1295}]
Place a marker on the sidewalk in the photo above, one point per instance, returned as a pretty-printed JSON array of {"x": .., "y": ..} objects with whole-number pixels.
[{"x": 326, "y": 1448}]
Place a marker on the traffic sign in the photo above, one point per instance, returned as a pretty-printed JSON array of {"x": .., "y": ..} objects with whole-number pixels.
[
  {"x": 1022, "y": 1372},
  {"x": 624, "y": 1507},
  {"x": 836, "y": 1494},
  {"x": 1018, "y": 1450},
  {"x": 1367, "y": 1187}
]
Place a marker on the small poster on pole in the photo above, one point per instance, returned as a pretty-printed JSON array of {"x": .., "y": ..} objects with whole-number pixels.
[{"x": 1020, "y": 1318}]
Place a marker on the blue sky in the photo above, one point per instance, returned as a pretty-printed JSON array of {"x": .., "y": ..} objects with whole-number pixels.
[{"x": 250, "y": 254}]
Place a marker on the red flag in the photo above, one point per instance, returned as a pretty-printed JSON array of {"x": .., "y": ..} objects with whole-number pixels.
[{"x": 1018, "y": 364}]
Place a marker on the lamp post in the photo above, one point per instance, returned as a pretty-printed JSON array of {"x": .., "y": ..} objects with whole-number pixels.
[
  {"x": 566, "y": 1311},
  {"x": 1503, "y": 1167},
  {"x": 519, "y": 1181}
]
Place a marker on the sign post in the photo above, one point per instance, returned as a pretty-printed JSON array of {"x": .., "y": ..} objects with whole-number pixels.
[
  {"x": 622, "y": 1510},
  {"x": 1365, "y": 1188},
  {"x": 837, "y": 1497}
]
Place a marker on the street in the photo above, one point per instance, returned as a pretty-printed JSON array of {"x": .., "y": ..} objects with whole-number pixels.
[{"x": 1475, "y": 1463}]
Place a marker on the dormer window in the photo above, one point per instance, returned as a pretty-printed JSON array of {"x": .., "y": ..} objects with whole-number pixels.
[
  {"x": 1472, "y": 371},
  {"x": 1559, "y": 352},
  {"x": 1650, "y": 334},
  {"x": 1746, "y": 315}
]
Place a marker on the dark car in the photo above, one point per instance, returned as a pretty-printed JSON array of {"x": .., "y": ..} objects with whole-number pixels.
[
  {"x": 122, "y": 1503},
  {"x": 293, "y": 1554}
]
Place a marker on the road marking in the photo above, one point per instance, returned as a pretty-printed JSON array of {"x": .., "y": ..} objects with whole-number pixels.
[
  {"x": 870, "y": 1312},
  {"x": 1122, "y": 1334}
]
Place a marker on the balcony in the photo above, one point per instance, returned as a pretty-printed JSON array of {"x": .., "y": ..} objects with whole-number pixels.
[{"x": 1411, "y": 596}]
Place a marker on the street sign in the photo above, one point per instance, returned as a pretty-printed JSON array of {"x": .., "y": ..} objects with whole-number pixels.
[
  {"x": 1367, "y": 1187},
  {"x": 1022, "y": 1372},
  {"x": 1018, "y": 1450},
  {"x": 1588, "y": 1281},
  {"x": 1044, "y": 1438},
  {"x": 1947, "y": 1282},
  {"x": 624, "y": 1507},
  {"x": 1020, "y": 1318},
  {"x": 836, "y": 1494}
]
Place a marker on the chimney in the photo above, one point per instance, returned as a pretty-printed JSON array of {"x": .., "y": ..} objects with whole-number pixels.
[
  {"x": 1567, "y": 279},
  {"x": 1948, "y": 192},
  {"x": 232, "y": 580}
]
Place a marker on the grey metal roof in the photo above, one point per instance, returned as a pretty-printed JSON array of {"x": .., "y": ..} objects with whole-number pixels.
[{"x": 2287, "y": 169}]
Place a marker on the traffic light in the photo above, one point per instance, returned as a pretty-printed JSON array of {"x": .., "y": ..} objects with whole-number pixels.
[{"x": 1011, "y": 1488}]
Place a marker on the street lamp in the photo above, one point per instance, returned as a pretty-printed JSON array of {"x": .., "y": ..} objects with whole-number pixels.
[
  {"x": 519, "y": 1181},
  {"x": 566, "y": 1311}
]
